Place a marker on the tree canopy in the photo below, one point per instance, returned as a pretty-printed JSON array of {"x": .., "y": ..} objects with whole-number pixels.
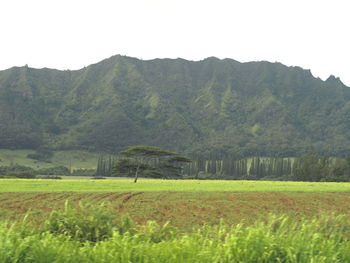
[{"x": 149, "y": 160}]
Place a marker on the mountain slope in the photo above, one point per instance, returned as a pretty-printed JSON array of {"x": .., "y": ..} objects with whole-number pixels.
[{"x": 206, "y": 107}]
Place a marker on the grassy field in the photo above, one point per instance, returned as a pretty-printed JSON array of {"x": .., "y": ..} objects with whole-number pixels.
[
  {"x": 310, "y": 221},
  {"x": 70, "y": 159},
  {"x": 154, "y": 185},
  {"x": 183, "y": 203}
]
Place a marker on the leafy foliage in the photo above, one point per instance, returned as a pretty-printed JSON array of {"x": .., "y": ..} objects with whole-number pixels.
[
  {"x": 150, "y": 161},
  {"x": 310, "y": 167},
  {"x": 125, "y": 167},
  {"x": 85, "y": 223},
  {"x": 278, "y": 239},
  {"x": 57, "y": 170},
  {"x": 83, "y": 172},
  {"x": 104, "y": 166},
  {"x": 17, "y": 171}
]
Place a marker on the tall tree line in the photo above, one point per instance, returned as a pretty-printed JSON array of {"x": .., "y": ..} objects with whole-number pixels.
[
  {"x": 309, "y": 167},
  {"x": 248, "y": 168},
  {"x": 105, "y": 165}
]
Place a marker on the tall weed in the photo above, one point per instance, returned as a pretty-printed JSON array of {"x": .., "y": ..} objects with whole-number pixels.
[
  {"x": 85, "y": 223},
  {"x": 71, "y": 236}
]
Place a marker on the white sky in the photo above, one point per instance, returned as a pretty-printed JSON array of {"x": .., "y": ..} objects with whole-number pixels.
[{"x": 71, "y": 34}]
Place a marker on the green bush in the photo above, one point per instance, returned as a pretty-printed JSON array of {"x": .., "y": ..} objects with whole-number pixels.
[
  {"x": 155, "y": 233},
  {"x": 23, "y": 175},
  {"x": 57, "y": 170},
  {"x": 277, "y": 239},
  {"x": 85, "y": 223},
  {"x": 49, "y": 177},
  {"x": 84, "y": 172},
  {"x": 6, "y": 170},
  {"x": 126, "y": 225},
  {"x": 90, "y": 234},
  {"x": 98, "y": 178}
]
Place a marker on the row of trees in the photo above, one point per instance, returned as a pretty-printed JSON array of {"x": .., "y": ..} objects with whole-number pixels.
[
  {"x": 155, "y": 162},
  {"x": 314, "y": 168},
  {"x": 105, "y": 165},
  {"x": 20, "y": 171},
  {"x": 309, "y": 167},
  {"x": 249, "y": 168}
]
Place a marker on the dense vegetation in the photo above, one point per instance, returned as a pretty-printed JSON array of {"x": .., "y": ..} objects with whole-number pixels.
[
  {"x": 149, "y": 161},
  {"x": 309, "y": 167},
  {"x": 20, "y": 171},
  {"x": 213, "y": 106},
  {"x": 73, "y": 160},
  {"x": 93, "y": 235}
]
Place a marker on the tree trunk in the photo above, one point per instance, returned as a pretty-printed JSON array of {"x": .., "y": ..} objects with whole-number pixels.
[{"x": 136, "y": 174}]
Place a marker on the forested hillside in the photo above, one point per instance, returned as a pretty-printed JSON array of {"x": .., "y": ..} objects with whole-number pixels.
[{"x": 209, "y": 107}]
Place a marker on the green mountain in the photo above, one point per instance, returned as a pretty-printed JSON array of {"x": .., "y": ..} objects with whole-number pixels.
[{"x": 206, "y": 107}]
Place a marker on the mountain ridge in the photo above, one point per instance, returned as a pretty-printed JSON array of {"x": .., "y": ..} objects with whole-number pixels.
[{"x": 213, "y": 106}]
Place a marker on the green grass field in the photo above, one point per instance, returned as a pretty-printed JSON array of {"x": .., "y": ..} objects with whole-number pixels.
[
  {"x": 70, "y": 159},
  {"x": 154, "y": 185},
  {"x": 310, "y": 221}
]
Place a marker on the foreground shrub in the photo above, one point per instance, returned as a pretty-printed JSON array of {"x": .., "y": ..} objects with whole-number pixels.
[
  {"x": 279, "y": 239},
  {"x": 85, "y": 223}
]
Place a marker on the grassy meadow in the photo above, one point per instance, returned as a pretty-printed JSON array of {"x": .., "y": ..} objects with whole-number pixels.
[
  {"x": 173, "y": 221},
  {"x": 70, "y": 159},
  {"x": 156, "y": 185}
]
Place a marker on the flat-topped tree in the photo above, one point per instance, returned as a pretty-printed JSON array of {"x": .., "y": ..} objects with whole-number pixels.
[
  {"x": 172, "y": 167},
  {"x": 141, "y": 158}
]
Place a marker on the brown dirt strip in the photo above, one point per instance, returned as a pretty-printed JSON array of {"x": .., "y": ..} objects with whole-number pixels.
[{"x": 183, "y": 209}]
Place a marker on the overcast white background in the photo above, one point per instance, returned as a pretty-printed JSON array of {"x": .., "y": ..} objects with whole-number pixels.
[{"x": 71, "y": 34}]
